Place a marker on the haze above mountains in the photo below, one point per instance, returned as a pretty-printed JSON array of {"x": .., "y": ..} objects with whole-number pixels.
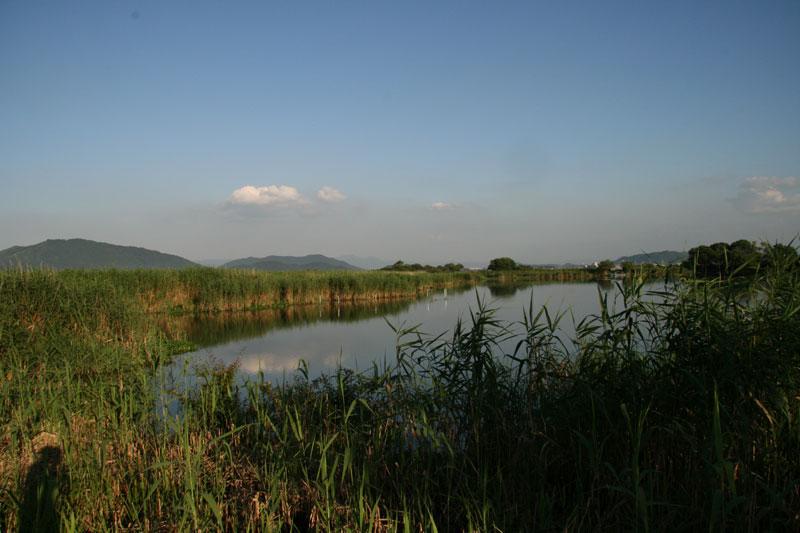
[{"x": 83, "y": 253}]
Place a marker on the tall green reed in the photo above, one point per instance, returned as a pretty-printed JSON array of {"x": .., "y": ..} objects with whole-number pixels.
[{"x": 672, "y": 408}]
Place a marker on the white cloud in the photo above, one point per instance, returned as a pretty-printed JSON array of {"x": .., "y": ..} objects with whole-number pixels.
[
  {"x": 330, "y": 195},
  {"x": 759, "y": 195},
  {"x": 269, "y": 363},
  {"x": 269, "y": 195},
  {"x": 441, "y": 206}
]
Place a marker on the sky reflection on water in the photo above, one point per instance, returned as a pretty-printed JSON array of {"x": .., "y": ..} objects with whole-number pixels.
[{"x": 357, "y": 336}]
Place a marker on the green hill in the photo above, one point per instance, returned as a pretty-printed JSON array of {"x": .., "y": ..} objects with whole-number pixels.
[
  {"x": 82, "y": 253},
  {"x": 664, "y": 257},
  {"x": 285, "y": 263}
]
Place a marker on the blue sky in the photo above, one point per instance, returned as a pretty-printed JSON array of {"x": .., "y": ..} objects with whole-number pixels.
[{"x": 446, "y": 130}]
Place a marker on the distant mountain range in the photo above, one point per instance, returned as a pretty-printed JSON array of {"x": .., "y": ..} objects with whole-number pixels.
[
  {"x": 82, "y": 253},
  {"x": 664, "y": 257},
  {"x": 284, "y": 263},
  {"x": 367, "y": 263}
]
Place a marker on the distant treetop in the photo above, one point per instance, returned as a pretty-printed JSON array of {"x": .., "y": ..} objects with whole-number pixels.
[
  {"x": 503, "y": 263},
  {"x": 738, "y": 258},
  {"x": 400, "y": 266}
]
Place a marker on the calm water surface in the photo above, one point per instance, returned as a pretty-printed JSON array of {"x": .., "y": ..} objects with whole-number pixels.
[{"x": 358, "y": 336}]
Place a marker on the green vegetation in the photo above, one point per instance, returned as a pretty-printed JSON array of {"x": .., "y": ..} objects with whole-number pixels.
[
  {"x": 671, "y": 411},
  {"x": 202, "y": 290},
  {"x": 503, "y": 263},
  {"x": 664, "y": 257},
  {"x": 604, "y": 267},
  {"x": 739, "y": 258},
  {"x": 534, "y": 275},
  {"x": 506, "y": 270},
  {"x": 82, "y": 253},
  {"x": 278, "y": 263},
  {"x": 400, "y": 266}
]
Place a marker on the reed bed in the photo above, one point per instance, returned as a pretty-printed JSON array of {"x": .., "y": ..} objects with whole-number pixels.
[
  {"x": 671, "y": 411},
  {"x": 211, "y": 289},
  {"x": 566, "y": 275},
  {"x": 543, "y": 274}
]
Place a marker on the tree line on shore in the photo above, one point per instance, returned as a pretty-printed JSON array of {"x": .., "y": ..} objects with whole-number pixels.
[
  {"x": 739, "y": 258},
  {"x": 400, "y": 266}
]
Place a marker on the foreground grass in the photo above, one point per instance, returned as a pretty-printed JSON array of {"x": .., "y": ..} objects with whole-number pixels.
[{"x": 671, "y": 411}]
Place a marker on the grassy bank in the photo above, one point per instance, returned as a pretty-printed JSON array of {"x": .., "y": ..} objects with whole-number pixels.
[
  {"x": 675, "y": 412},
  {"x": 542, "y": 275},
  {"x": 210, "y": 289},
  {"x": 566, "y": 275}
]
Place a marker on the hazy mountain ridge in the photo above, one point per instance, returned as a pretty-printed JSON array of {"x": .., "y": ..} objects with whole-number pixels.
[
  {"x": 85, "y": 253},
  {"x": 62, "y": 254},
  {"x": 664, "y": 257},
  {"x": 277, "y": 263},
  {"x": 367, "y": 263}
]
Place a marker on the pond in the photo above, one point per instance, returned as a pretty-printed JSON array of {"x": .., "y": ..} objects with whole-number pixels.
[{"x": 275, "y": 342}]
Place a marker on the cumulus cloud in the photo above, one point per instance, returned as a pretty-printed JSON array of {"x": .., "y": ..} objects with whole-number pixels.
[
  {"x": 441, "y": 206},
  {"x": 268, "y": 363},
  {"x": 760, "y": 195},
  {"x": 330, "y": 195},
  {"x": 269, "y": 195}
]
